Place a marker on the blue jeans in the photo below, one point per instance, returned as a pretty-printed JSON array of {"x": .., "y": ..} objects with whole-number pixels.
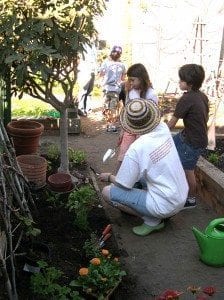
[
  {"x": 133, "y": 198},
  {"x": 187, "y": 153}
]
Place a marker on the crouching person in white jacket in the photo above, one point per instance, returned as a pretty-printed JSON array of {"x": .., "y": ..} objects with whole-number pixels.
[{"x": 151, "y": 160}]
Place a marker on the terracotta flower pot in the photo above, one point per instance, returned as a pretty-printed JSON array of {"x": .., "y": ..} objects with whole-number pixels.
[
  {"x": 34, "y": 168},
  {"x": 60, "y": 182},
  {"x": 26, "y": 135}
]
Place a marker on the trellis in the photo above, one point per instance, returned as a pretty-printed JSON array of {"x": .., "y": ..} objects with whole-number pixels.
[{"x": 15, "y": 216}]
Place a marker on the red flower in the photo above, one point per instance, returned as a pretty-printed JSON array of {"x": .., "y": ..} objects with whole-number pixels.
[
  {"x": 209, "y": 290},
  {"x": 169, "y": 295}
]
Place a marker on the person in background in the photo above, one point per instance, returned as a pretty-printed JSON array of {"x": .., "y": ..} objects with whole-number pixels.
[
  {"x": 88, "y": 87},
  {"x": 193, "y": 109},
  {"x": 138, "y": 85},
  {"x": 113, "y": 72},
  {"x": 153, "y": 160}
]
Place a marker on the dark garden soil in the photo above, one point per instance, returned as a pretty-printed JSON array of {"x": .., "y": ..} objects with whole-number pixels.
[{"x": 64, "y": 241}]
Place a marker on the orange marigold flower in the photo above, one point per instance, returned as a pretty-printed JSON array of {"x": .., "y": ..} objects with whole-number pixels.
[
  {"x": 105, "y": 252},
  {"x": 83, "y": 271},
  {"x": 95, "y": 261},
  {"x": 209, "y": 290}
]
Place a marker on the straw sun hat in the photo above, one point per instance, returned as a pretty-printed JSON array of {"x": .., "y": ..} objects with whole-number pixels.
[{"x": 140, "y": 116}]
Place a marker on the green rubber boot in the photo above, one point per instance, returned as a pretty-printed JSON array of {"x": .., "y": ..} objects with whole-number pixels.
[{"x": 145, "y": 229}]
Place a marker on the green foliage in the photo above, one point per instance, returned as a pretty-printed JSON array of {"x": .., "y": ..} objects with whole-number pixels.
[
  {"x": 76, "y": 156},
  {"x": 29, "y": 226},
  {"x": 41, "y": 45},
  {"x": 53, "y": 152},
  {"x": 45, "y": 284},
  {"x": 101, "y": 278},
  {"x": 30, "y": 108},
  {"x": 41, "y": 42},
  {"x": 53, "y": 198},
  {"x": 213, "y": 158},
  {"x": 91, "y": 246},
  {"x": 80, "y": 202},
  {"x": 97, "y": 91}
]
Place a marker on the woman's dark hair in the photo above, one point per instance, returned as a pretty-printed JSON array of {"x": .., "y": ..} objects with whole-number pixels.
[
  {"x": 139, "y": 71},
  {"x": 193, "y": 75}
]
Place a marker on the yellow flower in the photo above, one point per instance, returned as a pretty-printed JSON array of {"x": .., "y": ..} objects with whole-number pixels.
[
  {"x": 95, "y": 261},
  {"x": 83, "y": 271}
]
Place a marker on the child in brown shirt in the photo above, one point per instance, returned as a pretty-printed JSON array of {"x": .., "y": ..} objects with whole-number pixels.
[{"x": 193, "y": 108}]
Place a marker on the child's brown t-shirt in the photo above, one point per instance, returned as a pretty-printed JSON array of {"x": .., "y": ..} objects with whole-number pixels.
[{"x": 193, "y": 108}]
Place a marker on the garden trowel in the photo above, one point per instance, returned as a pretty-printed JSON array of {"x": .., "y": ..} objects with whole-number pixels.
[{"x": 109, "y": 154}]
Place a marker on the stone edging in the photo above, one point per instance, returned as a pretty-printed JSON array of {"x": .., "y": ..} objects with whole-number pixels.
[{"x": 210, "y": 185}]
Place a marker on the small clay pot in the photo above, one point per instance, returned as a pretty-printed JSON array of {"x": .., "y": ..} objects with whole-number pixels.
[{"x": 60, "y": 182}]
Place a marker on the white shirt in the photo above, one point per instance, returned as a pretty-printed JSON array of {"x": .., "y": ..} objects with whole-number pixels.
[
  {"x": 154, "y": 157},
  {"x": 135, "y": 94},
  {"x": 112, "y": 72}
]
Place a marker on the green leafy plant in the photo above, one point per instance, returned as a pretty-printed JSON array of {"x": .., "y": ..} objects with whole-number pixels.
[
  {"x": 80, "y": 202},
  {"x": 101, "y": 276},
  {"x": 22, "y": 108},
  {"x": 91, "y": 246},
  {"x": 49, "y": 166},
  {"x": 53, "y": 152},
  {"x": 213, "y": 158},
  {"x": 53, "y": 198},
  {"x": 45, "y": 284},
  {"x": 76, "y": 156},
  {"x": 29, "y": 225}
]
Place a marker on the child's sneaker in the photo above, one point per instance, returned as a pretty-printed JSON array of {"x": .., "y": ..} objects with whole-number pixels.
[
  {"x": 190, "y": 203},
  {"x": 112, "y": 129}
]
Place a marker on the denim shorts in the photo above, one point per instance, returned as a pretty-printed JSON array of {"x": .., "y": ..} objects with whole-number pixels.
[
  {"x": 188, "y": 154},
  {"x": 133, "y": 198}
]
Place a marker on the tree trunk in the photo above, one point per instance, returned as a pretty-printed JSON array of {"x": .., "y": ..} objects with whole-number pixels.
[{"x": 64, "y": 166}]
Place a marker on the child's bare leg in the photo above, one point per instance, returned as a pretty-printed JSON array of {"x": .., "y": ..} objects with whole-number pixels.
[{"x": 191, "y": 179}]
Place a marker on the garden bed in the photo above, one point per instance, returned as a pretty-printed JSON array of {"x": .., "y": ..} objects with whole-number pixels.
[
  {"x": 210, "y": 177},
  {"x": 64, "y": 238},
  {"x": 216, "y": 156}
]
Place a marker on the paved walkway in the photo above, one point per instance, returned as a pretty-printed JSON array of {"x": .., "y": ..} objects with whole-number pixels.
[{"x": 165, "y": 260}]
